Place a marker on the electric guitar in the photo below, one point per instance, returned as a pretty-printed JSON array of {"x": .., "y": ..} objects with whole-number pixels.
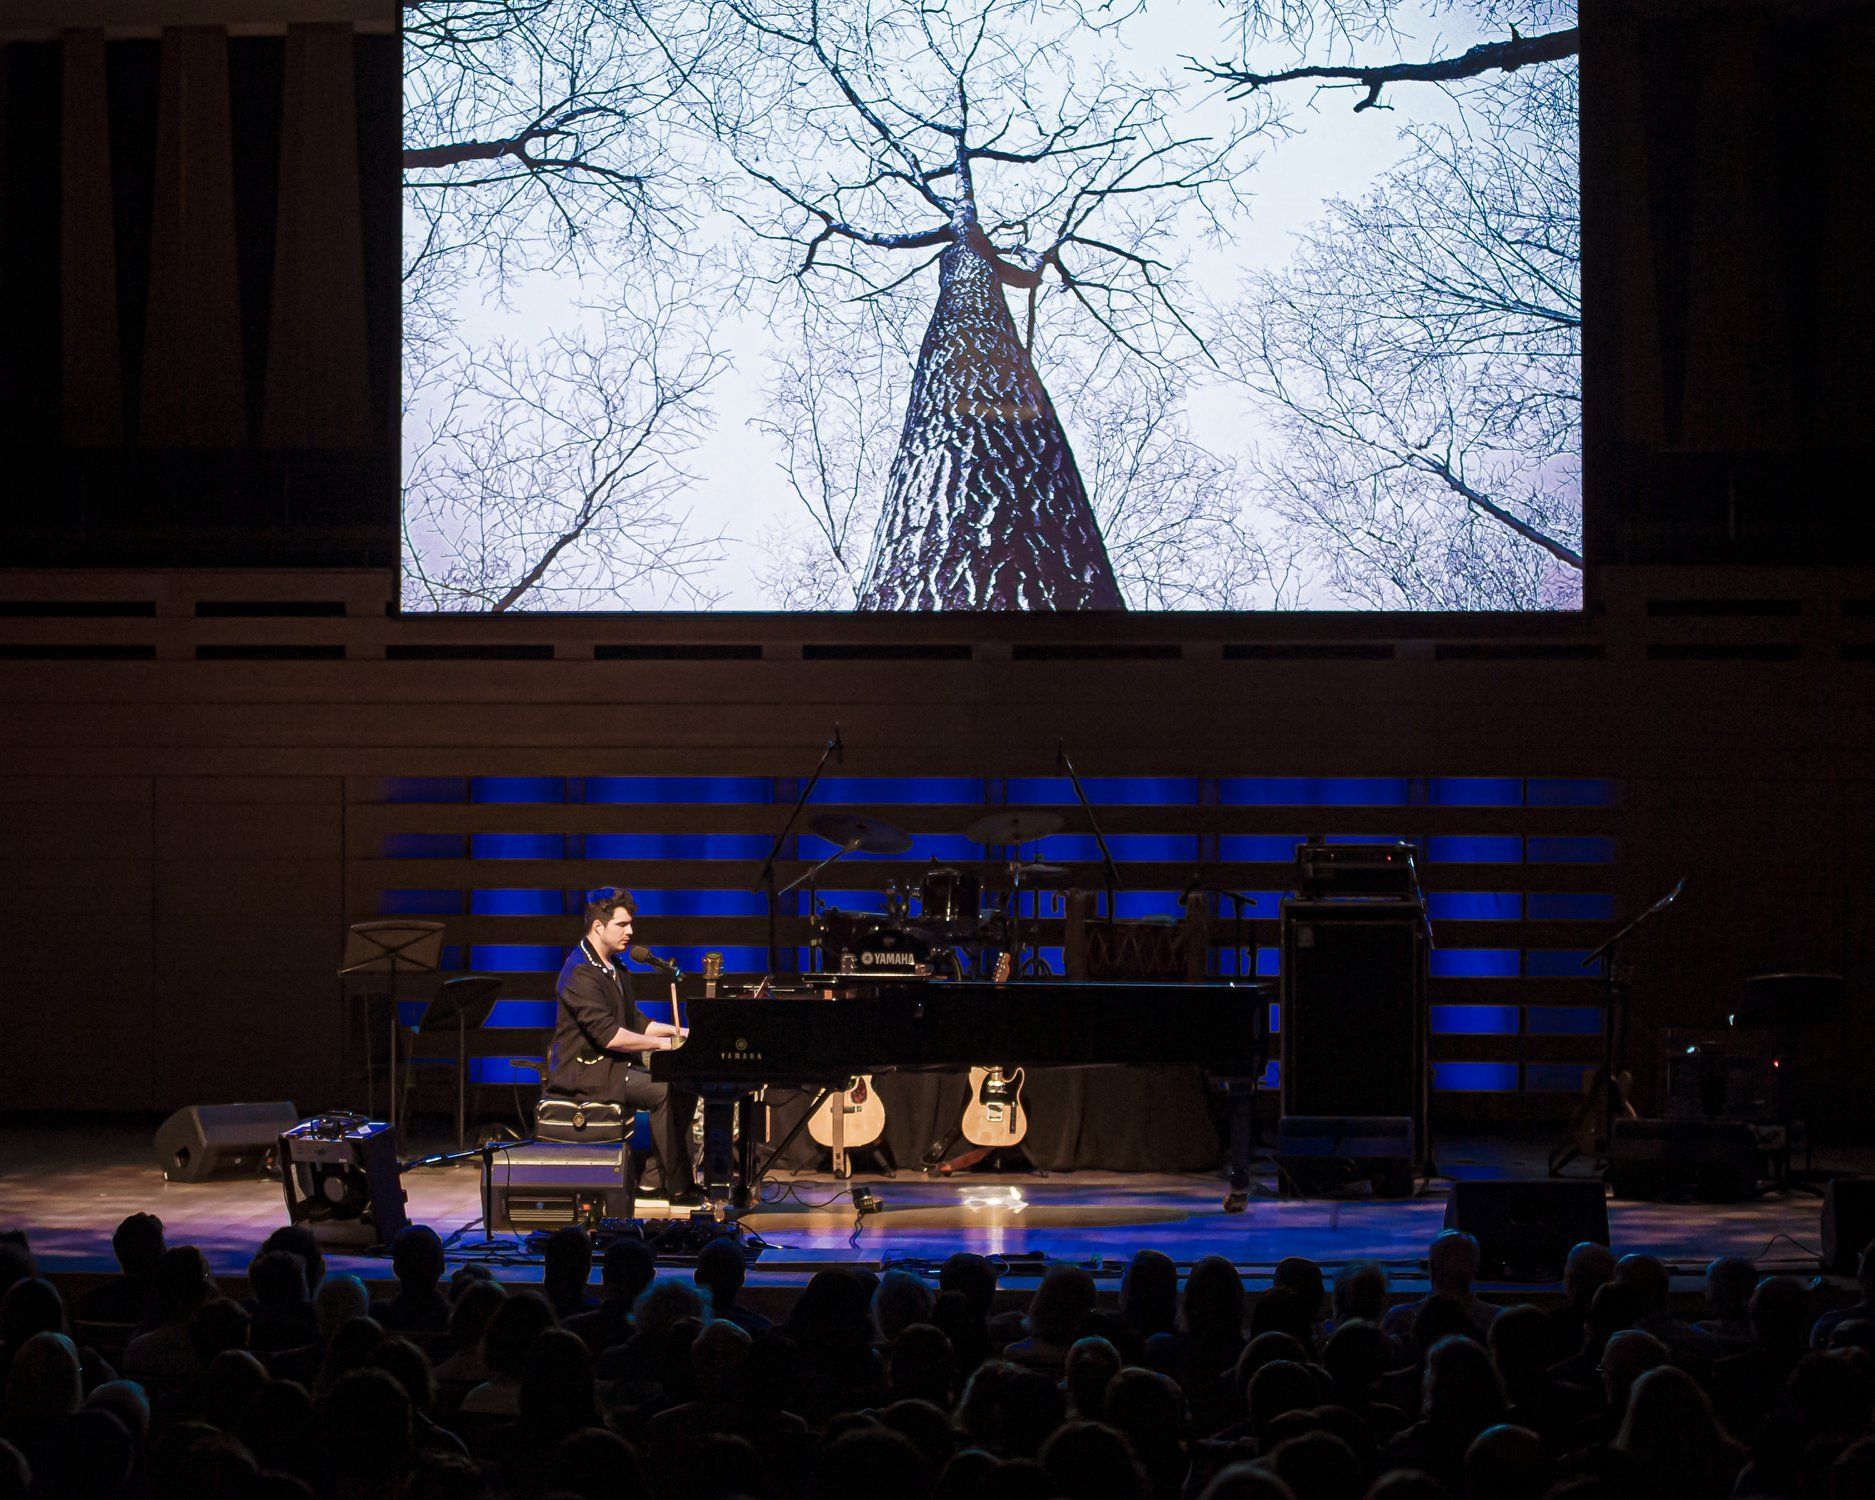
[{"x": 994, "y": 1115}]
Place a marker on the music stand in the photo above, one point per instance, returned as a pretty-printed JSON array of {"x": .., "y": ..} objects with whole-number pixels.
[
  {"x": 467, "y": 1001},
  {"x": 401, "y": 946}
]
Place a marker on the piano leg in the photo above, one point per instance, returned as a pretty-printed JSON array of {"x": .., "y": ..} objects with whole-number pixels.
[
  {"x": 720, "y": 1178},
  {"x": 1240, "y": 1098}
]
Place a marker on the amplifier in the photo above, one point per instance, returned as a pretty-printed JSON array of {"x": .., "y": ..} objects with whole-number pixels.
[
  {"x": 1356, "y": 869},
  {"x": 547, "y": 1184},
  {"x": 342, "y": 1181},
  {"x": 1714, "y": 1161}
]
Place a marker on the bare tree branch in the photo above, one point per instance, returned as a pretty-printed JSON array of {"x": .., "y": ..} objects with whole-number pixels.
[{"x": 1503, "y": 56}]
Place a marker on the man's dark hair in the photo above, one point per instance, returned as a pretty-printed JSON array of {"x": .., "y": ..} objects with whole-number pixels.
[
  {"x": 278, "y": 1279},
  {"x": 417, "y": 1258},
  {"x": 722, "y": 1266},
  {"x": 600, "y": 904},
  {"x": 297, "y": 1239},
  {"x": 219, "y": 1323},
  {"x": 137, "y": 1243},
  {"x": 182, "y": 1281},
  {"x": 567, "y": 1264},
  {"x": 512, "y": 1329},
  {"x": 628, "y": 1268}
]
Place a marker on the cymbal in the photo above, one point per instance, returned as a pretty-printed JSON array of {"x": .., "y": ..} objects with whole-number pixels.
[
  {"x": 1016, "y": 826},
  {"x": 1034, "y": 870},
  {"x": 857, "y": 831}
]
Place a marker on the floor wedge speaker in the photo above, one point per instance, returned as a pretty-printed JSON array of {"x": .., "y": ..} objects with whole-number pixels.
[{"x": 219, "y": 1140}]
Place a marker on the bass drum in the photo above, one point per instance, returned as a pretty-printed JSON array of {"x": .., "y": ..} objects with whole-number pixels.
[{"x": 873, "y": 946}]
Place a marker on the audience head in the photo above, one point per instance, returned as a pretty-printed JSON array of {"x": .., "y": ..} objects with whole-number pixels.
[
  {"x": 1060, "y": 1305},
  {"x": 1614, "y": 1307},
  {"x": 973, "y": 1276},
  {"x": 923, "y": 1365},
  {"x": 1729, "y": 1283},
  {"x": 31, "y": 1305},
  {"x": 717, "y": 1356},
  {"x": 1780, "y": 1313},
  {"x": 128, "y": 1402},
  {"x": 43, "y": 1382},
  {"x": 1522, "y": 1341},
  {"x": 899, "y": 1300},
  {"x": 219, "y": 1323},
  {"x": 1669, "y": 1430},
  {"x": 1281, "y": 1310},
  {"x": 557, "y": 1392},
  {"x": 182, "y": 1282},
  {"x": 1852, "y": 1476},
  {"x": 1092, "y": 1363},
  {"x": 1149, "y": 1293},
  {"x": 1506, "y": 1463},
  {"x": 366, "y": 1428},
  {"x": 1462, "y": 1392},
  {"x": 518, "y": 1321},
  {"x": 137, "y": 1242},
  {"x": 1299, "y": 1274},
  {"x": 1589, "y": 1266},
  {"x": 233, "y": 1379},
  {"x": 297, "y": 1239},
  {"x": 1356, "y": 1356},
  {"x": 1213, "y": 1303},
  {"x": 722, "y": 1267},
  {"x": 1649, "y": 1281},
  {"x": 664, "y": 1303},
  {"x": 1318, "y": 1466},
  {"x": 1086, "y": 1460},
  {"x": 1279, "y": 1387},
  {"x": 871, "y": 1459},
  {"x": 567, "y": 1264},
  {"x": 1360, "y": 1291},
  {"x": 405, "y": 1363},
  {"x": 929, "y": 1428},
  {"x": 417, "y": 1259},
  {"x": 628, "y": 1268},
  {"x": 278, "y": 1281},
  {"x": 1452, "y": 1262},
  {"x": 1628, "y": 1355},
  {"x": 469, "y": 1315},
  {"x": 595, "y": 1463},
  {"x": 339, "y": 1299},
  {"x": 1438, "y": 1316}
]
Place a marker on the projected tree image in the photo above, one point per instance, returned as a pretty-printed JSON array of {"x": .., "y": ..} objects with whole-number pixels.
[{"x": 999, "y": 304}]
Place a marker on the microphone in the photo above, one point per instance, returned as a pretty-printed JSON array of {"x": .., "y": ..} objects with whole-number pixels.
[
  {"x": 643, "y": 955},
  {"x": 838, "y": 746}
]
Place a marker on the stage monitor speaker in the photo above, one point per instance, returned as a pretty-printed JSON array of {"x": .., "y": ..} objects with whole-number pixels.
[
  {"x": 1353, "y": 1024},
  {"x": 1526, "y": 1229},
  {"x": 218, "y": 1140},
  {"x": 1320, "y": 1156},
  {"x": 1848, "y": 1222},
  {"x": 1713, "y": 1161},
  {"x": 342, "y": 1180},
  {"x": 549, "y": 1184}
]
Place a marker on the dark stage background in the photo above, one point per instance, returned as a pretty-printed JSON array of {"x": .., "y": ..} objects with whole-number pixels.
[{"x": 214, "y": 719}]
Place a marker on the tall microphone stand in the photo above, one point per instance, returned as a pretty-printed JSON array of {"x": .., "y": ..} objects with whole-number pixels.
[
  {"x": 1109, "y": 871},
  {"x": 1607, "y": 1089},
  {"x": 766, "y": 880}
]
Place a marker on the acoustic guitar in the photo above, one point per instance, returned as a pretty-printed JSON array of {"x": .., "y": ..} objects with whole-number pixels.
[
  {"x": 848, "y": 1119},
  {"x": 993, "y": 1115}
]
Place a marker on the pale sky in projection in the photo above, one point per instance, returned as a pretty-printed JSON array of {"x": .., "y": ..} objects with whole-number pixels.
[{"x": 1333, "y": 152}]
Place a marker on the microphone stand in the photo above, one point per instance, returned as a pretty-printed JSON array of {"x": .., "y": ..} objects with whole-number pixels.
[
  {"x": 1109, "y": 872},
  {"x": 766, "y": 880},
  {"x": 1613, "y": 1097}
]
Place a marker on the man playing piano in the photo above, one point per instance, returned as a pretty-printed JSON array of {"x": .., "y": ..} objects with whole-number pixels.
[{"x": 600, "y": 1041}]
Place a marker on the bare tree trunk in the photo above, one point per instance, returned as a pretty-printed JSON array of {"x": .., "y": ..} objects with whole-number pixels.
[{"x": 984, "y": 506}]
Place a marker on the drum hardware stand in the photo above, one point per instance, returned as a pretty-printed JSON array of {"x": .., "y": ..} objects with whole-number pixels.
[
  {"x": 766, "y": 879},
  {"x": 1607, "y": 1096},
  {"x": 1109, "y": 871}
]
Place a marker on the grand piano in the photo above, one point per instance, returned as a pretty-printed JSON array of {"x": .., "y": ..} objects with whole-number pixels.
[{"x": 894, "y": 1024}]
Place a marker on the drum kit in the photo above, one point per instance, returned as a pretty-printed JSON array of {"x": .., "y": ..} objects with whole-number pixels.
[{"x": 948, "y": 923}]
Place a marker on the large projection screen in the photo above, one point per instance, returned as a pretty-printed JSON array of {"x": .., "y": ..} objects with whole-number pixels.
[{"x": 879, "y": 305}]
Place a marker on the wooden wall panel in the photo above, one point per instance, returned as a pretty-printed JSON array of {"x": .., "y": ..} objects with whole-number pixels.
[{"x": 242, "y": 801}]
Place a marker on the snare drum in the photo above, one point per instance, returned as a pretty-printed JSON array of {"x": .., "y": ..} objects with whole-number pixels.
[{"x": 949, "y": 898}]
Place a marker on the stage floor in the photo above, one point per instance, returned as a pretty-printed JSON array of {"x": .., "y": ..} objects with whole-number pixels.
[{"x": 67, "y": 1186}]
